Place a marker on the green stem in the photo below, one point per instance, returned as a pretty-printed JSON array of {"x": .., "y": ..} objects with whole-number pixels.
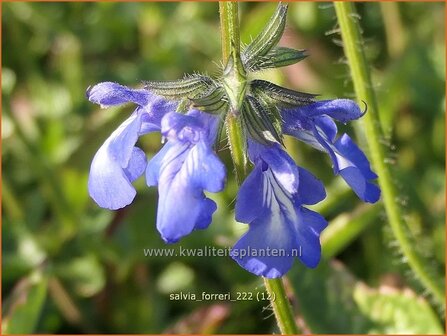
[
  {"x": 353, "y": 46},
  {"x": 237, "y": 147},
  {"x": 229, "y": 22},
  {"x": 281, "y": 306},
  {"x": 230, "y": 46}
]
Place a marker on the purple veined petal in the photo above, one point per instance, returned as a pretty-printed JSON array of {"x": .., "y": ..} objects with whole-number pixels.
[
  {"x": 181, "y": 207},
  {"x": 327, "y": 126},
  {"x": 281, "y": 164},
  {"x": 354, "y": 154},
  {"x": 282, "y": 225},
  {"x": 183, "y": 171},
  {"x": 205, "y": 168},
  {"x": 300, "y": 127},
  {"x": 308, "y": 226},
  {"x": 124, "y": 138},
  {"x": 206, "y": 213},
  {"x": 154, "y": 165},
  {"x": 184, "y": 168},
  {"x": 310, "y": 190},
  {"x": 181, "y": 127},
  {"x": 193, "y": 127},
  {"x": 294, "y": 120},
  {"x": 266, "y": 249},
  {"x": 364, "y": 189},
  {"x": 251, "y": 199},
  {"x": 352, "y": 165},
  {"x": 108, "y": 184},
  {"x": 116, "y": 164},
  {"x": 355, "y": 169},
  {"x": 137, "y": 164},
  {"x": 328, "y": 147},
  {"x": 343, "y": 110},
  {"x": 347, "y": 159},
  {"x": 109, "y": 94},
  {"x": 155, "y": 111},
  {"x": 309, "y": 138},
  {"x": 210, "y": 123}
]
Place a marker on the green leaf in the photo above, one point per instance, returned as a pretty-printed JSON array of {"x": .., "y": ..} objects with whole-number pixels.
[
  {"x": 393, "y": 311},
  {"x": 25, "y": 305},
  {"x": 331, "y": 300},
  {"x": 267, "y": 39}
]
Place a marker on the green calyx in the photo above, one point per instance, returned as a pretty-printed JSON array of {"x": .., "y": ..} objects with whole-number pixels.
[
  {"x": 256, "y": 103},
  {"x": 234, "y": 81}
]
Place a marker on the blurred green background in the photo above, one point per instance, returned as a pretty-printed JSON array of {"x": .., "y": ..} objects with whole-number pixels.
[{"x": 69, "y": 266}]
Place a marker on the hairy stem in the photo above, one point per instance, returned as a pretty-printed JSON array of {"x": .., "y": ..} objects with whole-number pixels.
[
  {"x": 229, "y": 21},
  {"x": 353, "y": 46}
]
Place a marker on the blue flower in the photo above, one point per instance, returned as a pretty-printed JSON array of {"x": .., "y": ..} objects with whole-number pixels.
[
  {"x": 314, "y": 125},
  {"x": 184, "y": 168},
  {"x": 119, "y": 162},
  {"x": 270, "y": 200}
]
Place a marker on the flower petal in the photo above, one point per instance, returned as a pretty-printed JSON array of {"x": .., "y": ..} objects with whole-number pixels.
[
  {"x": 123, "y": 139},
  {"x": 137, "y": 164},
  {"x": 208, "y": 171},
  {"x": 310, "y": 189},
  {"x": 108, "y": 184},
  {"x": 153, "y": 168},
  {"x": 343, "y": 110},
  {"x": 183, "y": 170},
  {"x": 354, "y": 154},
  {"x": 155, "y": 111},
  {"x": 109, "y": 94},
  {"x": 278, "y": 222},
  {"x": 181, "y": 127},
  {"x": 181, "y": 209},
  {"x": 283, "y": 167},
  {"x": 308, "y": 228},
  {"x": 364, "y": 189},
  {"x": 300, "y": 127},
  {"x": 266, "y": 249},
  {"x": 327, "y": 126},
  {"x": 116, "y": 164},
  {"x": 355, "y": 169},
  {"x": 205, "y": 216},
  {"x": 250, "y": 202},
  {"x": 328, "y": 147}
]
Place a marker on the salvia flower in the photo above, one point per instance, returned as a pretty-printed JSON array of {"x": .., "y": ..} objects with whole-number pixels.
[
  {"x": 184, "y": 168},
  {"x": 189, "y": 113},
  {"x": 119, "y": 162},
  {"x": 271, "y": 201}
]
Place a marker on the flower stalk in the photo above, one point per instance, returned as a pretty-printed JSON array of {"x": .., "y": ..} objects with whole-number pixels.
[
  {"x": 229, "y": 20},
  {"x": 353, "y": 47}
]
